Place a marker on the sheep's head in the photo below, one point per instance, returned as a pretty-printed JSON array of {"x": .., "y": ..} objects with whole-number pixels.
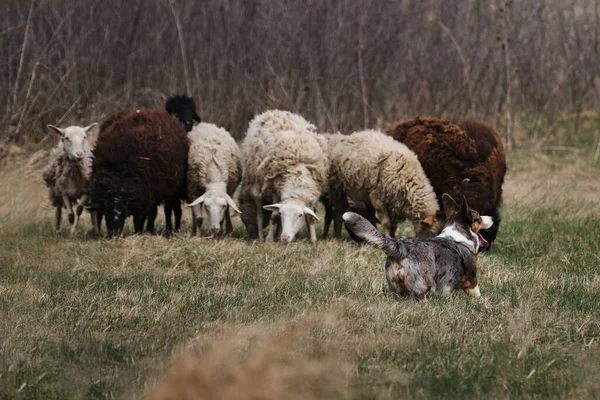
[
  {"x": 429, "y": 226},
  {"x": 115, "y": 213},
  {"x": 216, "y": 205},
  {"x": 74, "y": 139},
  {"x": 184, "y": 108},
  {"x": 292, "y": 215}
]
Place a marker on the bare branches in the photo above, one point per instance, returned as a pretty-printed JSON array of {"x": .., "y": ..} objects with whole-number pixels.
[
  {"x": 345, "y": 65},
  {"x": 181, "y": 46},
  {"x": 8, "y": 140}
]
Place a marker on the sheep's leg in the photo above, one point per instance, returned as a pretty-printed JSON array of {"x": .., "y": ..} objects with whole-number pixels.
[
  {"x": 177, "y": 212},
  {"x": 99, "y": 216},
  {"x": 328, "y": 219},
  {"x": 393, "y": 228},
  {"x": 95, "y": 223},
  {"x": 272, "y": 228},
  {"x": 193, "y": 224},
  {"x": 228, "y": 224},
  {"x": 370, "y": 215},
  {"x": 312, "y": 230},
  {"x": 58, "y": 218},
  {"x": 259, "y": 217},
  {"x": 168, "y": 222},
  {"x": 340, "y": 206},
  {"x": 78, "y": 212},
  {"x": 385, "y": 221},
  {"x": 138, "y": 222},
  {"x": 69, "y": 206},
  {"x": 151, "y": 219},
  {"x": 197, "y": 220}
]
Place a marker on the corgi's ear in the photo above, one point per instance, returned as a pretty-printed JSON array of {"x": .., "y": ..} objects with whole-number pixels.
[
  {"x": 450, "y": 206},
  {"x": 464, "y": 207}
]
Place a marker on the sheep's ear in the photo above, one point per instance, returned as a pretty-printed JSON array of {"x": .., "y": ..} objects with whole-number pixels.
[
  {"x": 197, "y": 118},
  {"x": 61, "y": 132},
  {"x": 232, "y": 204},
  {"x": 450, "y": 206},
  {"x": 199, "y": 200},
  {"x": 311, "y": 213},
  {"x": 87, "y": 128},
  {"x": 272, "y": 207}
]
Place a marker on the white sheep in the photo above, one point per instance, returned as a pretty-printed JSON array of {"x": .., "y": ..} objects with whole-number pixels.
[
  {"x": 285, "y": 164},
  {"x": 372, "y": 168},
  {"x": 67, "y": 176},
  {"x": 214, "y": 172}
]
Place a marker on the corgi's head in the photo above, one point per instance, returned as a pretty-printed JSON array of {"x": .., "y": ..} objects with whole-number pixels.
[{"x": 463, "y": 223}]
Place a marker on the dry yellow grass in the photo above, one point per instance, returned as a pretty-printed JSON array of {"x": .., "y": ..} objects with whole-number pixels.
[{"x": 99, "y": 318}]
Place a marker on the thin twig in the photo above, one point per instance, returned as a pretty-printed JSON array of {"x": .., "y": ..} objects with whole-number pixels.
[
  {"x": 182, "y": 47},
  {"x": 11, "y": 109},
  {"x": 68, "y": 111}
]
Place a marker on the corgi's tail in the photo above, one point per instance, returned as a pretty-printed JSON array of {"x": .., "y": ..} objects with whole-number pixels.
[{"x": 367, "y": 232}]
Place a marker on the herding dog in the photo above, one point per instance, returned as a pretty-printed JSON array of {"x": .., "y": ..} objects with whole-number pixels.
[{"x": 420, "y": 266}]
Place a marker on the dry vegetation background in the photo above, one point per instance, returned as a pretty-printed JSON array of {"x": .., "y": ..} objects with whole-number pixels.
[{"x": 344, "y": 64}]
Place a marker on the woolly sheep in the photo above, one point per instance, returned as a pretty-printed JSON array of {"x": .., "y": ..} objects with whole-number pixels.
[
  {"x": 184, "y": 108},
  {"x": 459, "y": 162},
  {"x": 372, "y": 168},
  {"x": 67, "y": 176},
  {"x": 214, "y": 172},
  {"x": 284, "y": 164},
  {"x": 328, "y": 142},
  {"x": 140, "y": 162}
]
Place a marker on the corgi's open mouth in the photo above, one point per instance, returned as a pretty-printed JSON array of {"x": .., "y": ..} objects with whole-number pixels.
[{"x": 483, "y": 243}]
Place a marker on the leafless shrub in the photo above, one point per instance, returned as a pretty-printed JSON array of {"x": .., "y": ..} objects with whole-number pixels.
[{"x": 343, "y": 64}]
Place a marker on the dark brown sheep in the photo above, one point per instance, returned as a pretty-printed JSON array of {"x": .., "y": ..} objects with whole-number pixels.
[
  {"x": 489, "y": 150},
  {"x": 140, "y": 161},
  {"x": 459, "y": 162}
]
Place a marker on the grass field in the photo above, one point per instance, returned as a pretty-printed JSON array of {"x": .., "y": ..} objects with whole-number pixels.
[{"x": 89, "y": 318}]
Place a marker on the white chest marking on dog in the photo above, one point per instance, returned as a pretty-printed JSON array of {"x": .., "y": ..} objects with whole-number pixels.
[
  {"x": 451, "y": 232},
  {"x": 487, "y": 222}
]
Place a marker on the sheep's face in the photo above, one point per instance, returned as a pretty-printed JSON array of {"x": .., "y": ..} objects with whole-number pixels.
[
  {"x": 74, "y": 140},
  {"x": 428, "y": 226},
  {"x": 292, "y": 216},
  {"x": 185, "y": 109},
  {"x": 115, "y": 212},
  {"x": 215, "y": 205}
]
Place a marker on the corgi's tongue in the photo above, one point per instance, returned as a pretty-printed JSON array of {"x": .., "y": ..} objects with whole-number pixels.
[{"x": 483, "y": 243}]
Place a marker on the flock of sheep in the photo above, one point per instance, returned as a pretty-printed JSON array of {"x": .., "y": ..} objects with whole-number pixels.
[{"x": 145, "y": 158}]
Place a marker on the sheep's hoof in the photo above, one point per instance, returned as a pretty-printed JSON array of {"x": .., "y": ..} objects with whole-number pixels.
[{"x": 71, "y": 218}]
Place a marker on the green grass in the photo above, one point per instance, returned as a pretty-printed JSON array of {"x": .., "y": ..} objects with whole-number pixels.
[{"x": 98, "y": 318}]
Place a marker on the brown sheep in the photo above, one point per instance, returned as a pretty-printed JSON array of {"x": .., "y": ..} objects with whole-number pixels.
[
  {"x": 489, "y": 150},
  {"x": 459, "y": 163},
  {"x": 140, "y": 161}
]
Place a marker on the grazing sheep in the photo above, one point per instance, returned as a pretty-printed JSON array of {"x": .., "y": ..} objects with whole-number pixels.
[
  {"x": 328, "y": 142},
  {"x": 184, "y": 108},
  {"x": 452, "y": 162},
  {"x": 140, "y": 161},
  {"x": 371, "y": 168},
  {"x": 285, "y": 164},
  {"x": 491, "y": 153},
  {"x": 214, "y": 172},
  {"x": 67, "y": 176}
]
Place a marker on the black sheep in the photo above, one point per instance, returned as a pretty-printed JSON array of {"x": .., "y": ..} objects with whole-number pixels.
[
  {"x": 184, "y": 108},
  {"x": 140, "y": 161}
]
